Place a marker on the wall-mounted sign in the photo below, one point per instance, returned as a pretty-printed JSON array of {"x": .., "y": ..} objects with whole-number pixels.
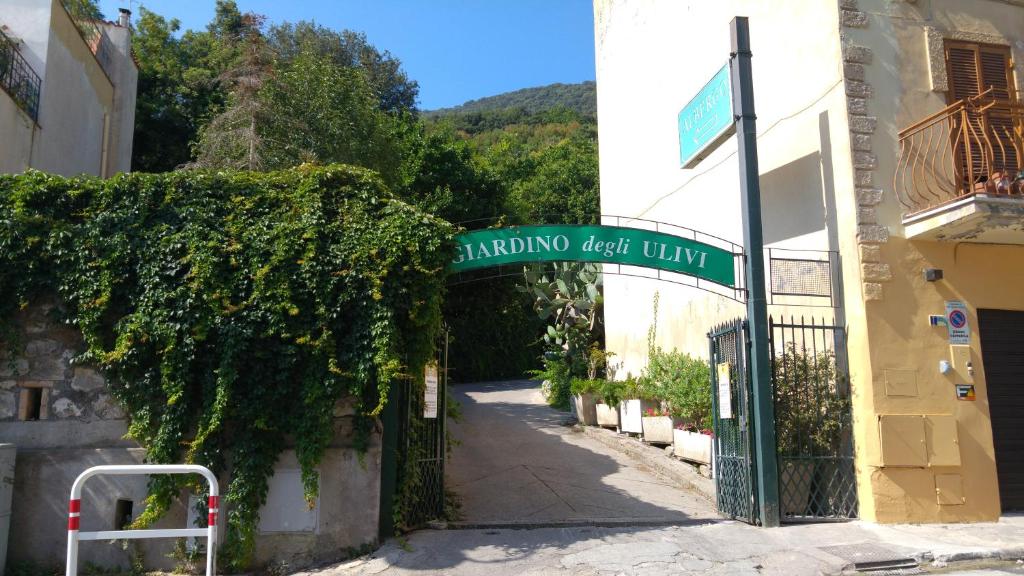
[
  {"x": 707, "y": 120},
  {"x": 724, "y": 392},
  {"x": 965, "y": 392},
  {"x": 956, "y": 322},
  {"x": 601, "y": 244},
  {"x": 430, "y": 391}
]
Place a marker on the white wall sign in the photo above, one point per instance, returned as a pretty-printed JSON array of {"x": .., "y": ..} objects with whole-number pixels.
[
  {"x": 724, "y": 392},
  {"x": 430, "y": 391},
  {"x": 956, "y": 322}
]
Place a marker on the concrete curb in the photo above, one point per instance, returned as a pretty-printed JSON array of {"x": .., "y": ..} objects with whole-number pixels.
[
  {"x": 575, "y": 523},
  {"x": 653, "y": 460}
]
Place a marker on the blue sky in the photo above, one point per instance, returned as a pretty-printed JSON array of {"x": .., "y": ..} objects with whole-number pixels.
[{"x": 457, "y": 50}]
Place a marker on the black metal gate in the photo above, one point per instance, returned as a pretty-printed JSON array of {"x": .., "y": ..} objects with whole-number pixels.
[
  {"x": 730, "y": 383},
  {"x": 422, "y": 446},
  {"x": 813, "y": 422}
]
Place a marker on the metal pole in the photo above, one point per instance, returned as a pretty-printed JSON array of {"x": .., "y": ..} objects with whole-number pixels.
[{"x": 757, "y": 306}]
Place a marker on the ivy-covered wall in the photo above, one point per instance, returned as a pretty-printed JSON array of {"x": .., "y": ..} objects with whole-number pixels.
[{"x": 230, "y": 312}]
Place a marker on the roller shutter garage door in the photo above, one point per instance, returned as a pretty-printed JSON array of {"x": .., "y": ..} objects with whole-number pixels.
[{"x": 1002, "y": 351}]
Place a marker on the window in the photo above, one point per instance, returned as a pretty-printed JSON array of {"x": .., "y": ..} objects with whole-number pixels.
[
  {"x": 31, "y": 404},
  {"x": 987, "y": 138}
]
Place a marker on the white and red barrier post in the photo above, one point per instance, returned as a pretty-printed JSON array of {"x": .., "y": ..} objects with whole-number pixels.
[{"x": 75, "y": 512}]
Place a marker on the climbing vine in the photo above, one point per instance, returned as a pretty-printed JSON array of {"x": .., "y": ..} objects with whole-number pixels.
[{"x": 231, "y": 311}]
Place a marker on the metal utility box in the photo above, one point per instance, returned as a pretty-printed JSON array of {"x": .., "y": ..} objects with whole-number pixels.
[
  {"x": 903, "y": 441},
  {"x": 949, "y": 489},
  {"x": 942, "y": 440}
]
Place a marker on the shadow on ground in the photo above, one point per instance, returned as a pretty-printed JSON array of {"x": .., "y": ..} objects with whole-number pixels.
[{"x": 518, "y": 462}]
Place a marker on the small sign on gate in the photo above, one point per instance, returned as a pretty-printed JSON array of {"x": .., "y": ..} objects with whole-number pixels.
[
  {"x": 724, "y": 392},
  {"x": 430, "y": 391}
]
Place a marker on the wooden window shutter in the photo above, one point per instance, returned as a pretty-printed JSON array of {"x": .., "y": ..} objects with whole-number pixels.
[{"x": 987, "y": 144}]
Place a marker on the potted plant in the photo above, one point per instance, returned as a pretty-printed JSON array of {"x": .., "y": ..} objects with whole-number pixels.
[
  {"x": 658, "y": 426},
  {"x": 692, "y": 443},
  {"x": 607, "y": 408},
  {"x": 632, "y": 408},
  {"x": 584, "y": 400}
]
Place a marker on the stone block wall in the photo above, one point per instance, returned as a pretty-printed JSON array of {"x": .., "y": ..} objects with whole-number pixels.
[
  {"x": 40, "y": 383},
  {"x": 62, "y": 420}
]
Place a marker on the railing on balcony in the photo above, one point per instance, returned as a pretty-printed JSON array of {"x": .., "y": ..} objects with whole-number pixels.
[
  {"x": 85, "y": 18},
  {"x": 972, "y": 146},
  {"x": 18, "y": 79}
]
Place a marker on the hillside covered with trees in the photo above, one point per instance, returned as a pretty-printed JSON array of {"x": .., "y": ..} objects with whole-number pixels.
[{"x": 581, "y": 98}]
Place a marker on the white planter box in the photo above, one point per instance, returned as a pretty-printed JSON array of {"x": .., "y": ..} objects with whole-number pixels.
[
  {"x": 658, "y": 429},
  {"x": 631, "y": 413},
  {"x": 692, "y": 446},
  {"x": 607, "y": 416},
  {"x": 585, "y": 406}
]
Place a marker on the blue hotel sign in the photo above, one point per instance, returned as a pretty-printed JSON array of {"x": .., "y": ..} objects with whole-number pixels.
[{"x": 707, "y": 120}]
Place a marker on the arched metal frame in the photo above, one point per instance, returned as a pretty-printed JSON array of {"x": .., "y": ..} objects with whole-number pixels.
[{"x": 737, "y": 293}]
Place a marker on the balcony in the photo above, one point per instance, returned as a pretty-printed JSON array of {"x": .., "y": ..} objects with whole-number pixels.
[
  {"x": 18, "y": 79},
  {"x": 960, "y": 174}
]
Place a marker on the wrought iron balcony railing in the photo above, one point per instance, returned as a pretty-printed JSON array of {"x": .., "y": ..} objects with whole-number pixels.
[
  {"x": 86, "y": 21},
  {"x": 18, "y": 79},
  {"x": 973, "y": 146}
]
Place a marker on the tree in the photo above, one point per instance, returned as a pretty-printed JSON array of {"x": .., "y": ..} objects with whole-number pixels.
[
  {"x": 234, "y": 138},
  {"x": 564, "y": 186},
  {"x": 305, "y": 110},
  {"x": 178, "y": 90},
  {"x": 396, "y": 93}
]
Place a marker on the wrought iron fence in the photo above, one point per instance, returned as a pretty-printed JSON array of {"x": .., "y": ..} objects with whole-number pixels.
[
  {"x": 975, "y": 145},
  {"x": 18, "y": 79},
  {"x": 813, "y": 423}
]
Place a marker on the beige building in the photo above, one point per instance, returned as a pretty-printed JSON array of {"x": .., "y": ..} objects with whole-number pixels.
[
  {"x": 67, "y": 91},
  {"x": 890, "y": 134}
]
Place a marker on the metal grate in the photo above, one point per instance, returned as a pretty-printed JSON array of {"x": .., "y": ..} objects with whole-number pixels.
[
  {"x": 798, "y": 277},
  {"x": 813, "y": 422},
  {"x": 18, "y": 79},
  {"x": 734, "y": 462}
]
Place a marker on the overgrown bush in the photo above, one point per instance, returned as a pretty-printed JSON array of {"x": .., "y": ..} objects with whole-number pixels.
[{"x": 231, "y": 311}]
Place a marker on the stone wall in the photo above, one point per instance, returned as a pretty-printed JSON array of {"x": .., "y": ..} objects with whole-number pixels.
[
  {"x": 42, "y": 371},
  {"x": 63, "y": 420}
]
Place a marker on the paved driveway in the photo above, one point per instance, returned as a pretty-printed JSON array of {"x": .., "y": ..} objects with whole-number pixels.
[{"x": 518, "y": 463}]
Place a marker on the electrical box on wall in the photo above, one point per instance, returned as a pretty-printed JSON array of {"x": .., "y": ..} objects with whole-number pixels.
[
  {"x": 918, "y": 440},
  {"x": 949, "y": 489},
  {"x": 942, "y": 440},
  {"x": 902, "y": 441}
]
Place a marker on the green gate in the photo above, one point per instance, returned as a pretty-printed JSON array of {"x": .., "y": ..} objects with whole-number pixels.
[
  {"x": 734, "y": 460},
  {"x": 414, "y": 448},
  {"x": 813, "y": 422}
]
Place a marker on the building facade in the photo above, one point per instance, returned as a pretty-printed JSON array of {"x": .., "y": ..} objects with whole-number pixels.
[
  {"x": 67, "y": 90},
  {"x": 889, "y": 134}
]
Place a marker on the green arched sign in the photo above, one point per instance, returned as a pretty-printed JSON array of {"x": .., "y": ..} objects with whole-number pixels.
[{"x": 600, "y": 244}]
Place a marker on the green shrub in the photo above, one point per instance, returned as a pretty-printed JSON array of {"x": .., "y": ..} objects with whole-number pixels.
[
  {"x": 558, "y": 374},
  {"x": 812, "y": 405},
  {"x": 681, "y": 381},
  {"x": 231, "y": 310}
]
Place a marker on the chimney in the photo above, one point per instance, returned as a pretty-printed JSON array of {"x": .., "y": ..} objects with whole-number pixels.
[{"x": 125, "y": 18}]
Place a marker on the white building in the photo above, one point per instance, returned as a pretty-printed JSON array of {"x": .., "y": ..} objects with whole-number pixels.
[{"x": 67, "y": 91}]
